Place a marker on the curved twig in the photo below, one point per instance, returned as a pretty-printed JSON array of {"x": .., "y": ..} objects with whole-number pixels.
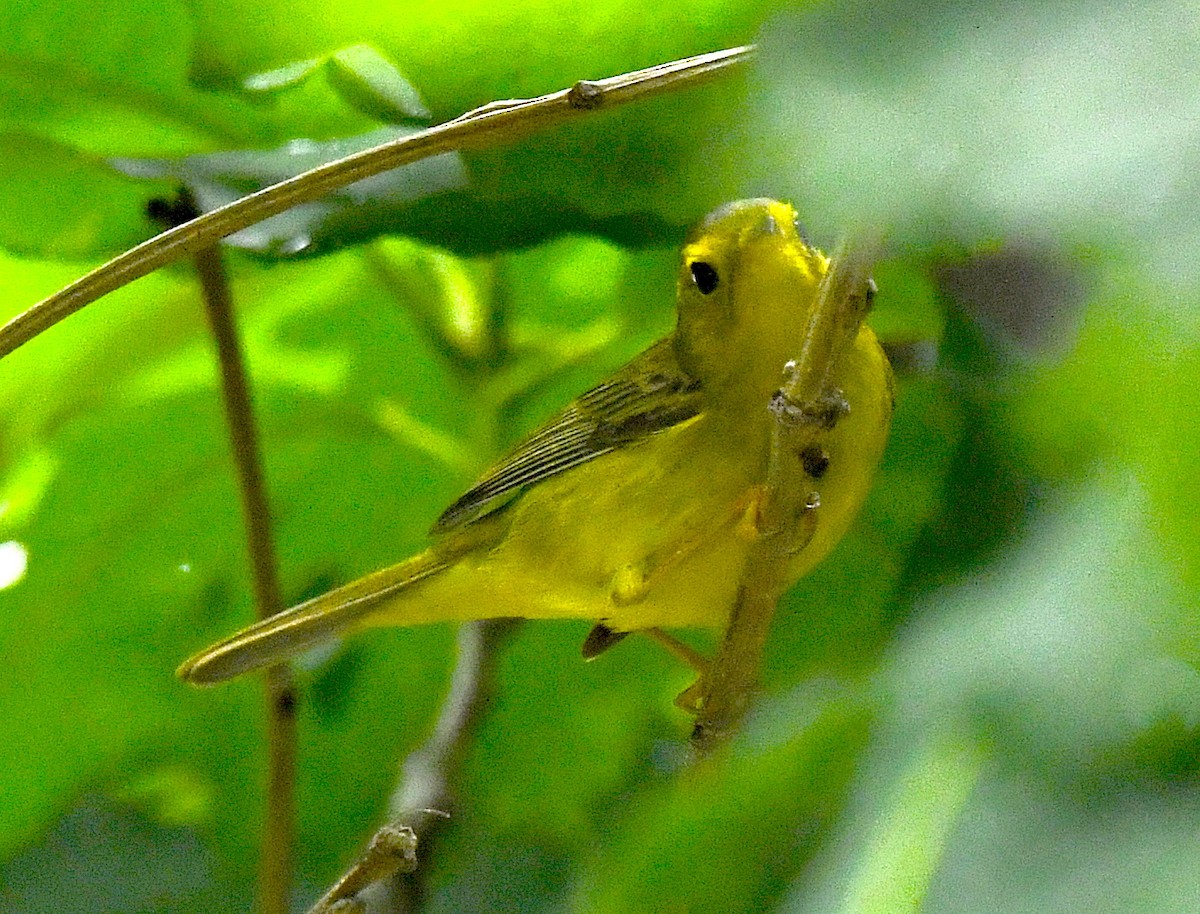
[{"x": 489, "y": 125}]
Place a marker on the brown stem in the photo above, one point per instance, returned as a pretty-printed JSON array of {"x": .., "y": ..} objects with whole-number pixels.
[
  {"x": 275, "y": 861},
  {"x": 490, "y": 125}
]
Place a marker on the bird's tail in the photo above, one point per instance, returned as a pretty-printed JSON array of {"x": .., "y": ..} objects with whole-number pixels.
[{"x": 291, "y": 631}]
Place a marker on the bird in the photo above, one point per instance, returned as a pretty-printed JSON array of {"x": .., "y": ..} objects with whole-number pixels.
[{"x": 634, "y": 506}]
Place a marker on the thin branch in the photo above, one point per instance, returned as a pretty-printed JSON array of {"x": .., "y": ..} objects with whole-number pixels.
[
  {"x": 277, "y": 855},
  {"x": 392, "y": 850},
  {"x": 386, "y": 876},
  {"x": 790, "y": 507},
  {"x": 490, "y": 125},
  {"x": 275, "y": 861}
]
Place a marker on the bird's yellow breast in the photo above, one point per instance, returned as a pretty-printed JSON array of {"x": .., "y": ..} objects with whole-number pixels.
[{"x": 656, "y": 535}]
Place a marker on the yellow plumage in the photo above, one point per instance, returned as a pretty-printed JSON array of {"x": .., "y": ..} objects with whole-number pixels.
[{"x": 630, "y": 507}]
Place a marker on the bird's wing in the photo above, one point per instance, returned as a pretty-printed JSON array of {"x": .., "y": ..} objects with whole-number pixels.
[{"x": 650, "y": 394}]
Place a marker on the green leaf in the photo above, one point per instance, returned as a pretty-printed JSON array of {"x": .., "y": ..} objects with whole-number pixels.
[
  {"x": 686, "y": 845},
  {"x": 905, "y": 849},
  {"x": 373, "y": 85},
  {"x": 55, "y": 202},
  {"x": 949, "y": 122}
]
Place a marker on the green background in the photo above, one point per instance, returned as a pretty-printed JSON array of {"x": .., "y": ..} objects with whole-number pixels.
[{"x": 986, "y": 700}]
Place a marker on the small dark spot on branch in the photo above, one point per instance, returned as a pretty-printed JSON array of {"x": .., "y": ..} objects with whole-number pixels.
[
  {"x": 815, "y": 461},
  {"x": 285, "y": 702}
]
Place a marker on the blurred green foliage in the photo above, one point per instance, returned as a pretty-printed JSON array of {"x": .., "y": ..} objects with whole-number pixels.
[{"x": 986, "y": 700}]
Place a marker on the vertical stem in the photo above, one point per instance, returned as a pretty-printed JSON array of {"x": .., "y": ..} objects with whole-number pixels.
[
  {"x": 790, "y": 508},
  {"x": 275, "y": 861},
  {"x": 733, "y": 676}
]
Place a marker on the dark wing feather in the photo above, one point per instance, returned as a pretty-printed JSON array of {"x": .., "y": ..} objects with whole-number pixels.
[{"x": 650, "y": 394}]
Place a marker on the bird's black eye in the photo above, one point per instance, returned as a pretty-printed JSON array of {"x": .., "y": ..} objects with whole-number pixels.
[{"x": 704, "y": 276}]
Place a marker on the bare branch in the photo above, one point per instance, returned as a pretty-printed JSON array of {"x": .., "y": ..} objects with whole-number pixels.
[
  {"x": 790, "y": 508},
  {"x": 386, "y": 877}
]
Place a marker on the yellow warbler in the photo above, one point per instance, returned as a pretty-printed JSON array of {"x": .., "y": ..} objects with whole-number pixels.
[{"x": 635, "y": 505}]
